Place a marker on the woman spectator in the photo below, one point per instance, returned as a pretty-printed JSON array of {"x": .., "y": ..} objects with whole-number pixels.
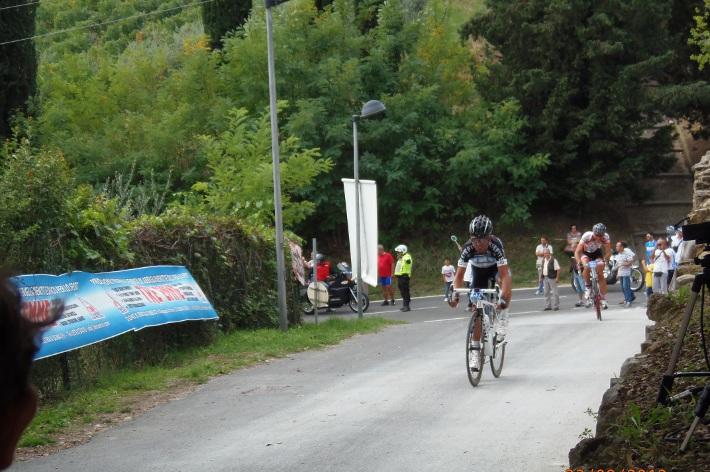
[{"x": 662, "y": 260}]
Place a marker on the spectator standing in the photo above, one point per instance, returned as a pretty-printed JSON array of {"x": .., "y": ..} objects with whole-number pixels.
[
  {"x": 677, "y": 247},
  {"x": 650, "y": 246},
  {"x": 544, "y": 243},
  {"x": 385, "y": 261},
  {"x": 403, "y": 272},
  {"x": 662, "y": 259},
  {"x": 577, "y": 281},
  {"x": 648, "y": 278},
  {"x": 624, "y": 260},
  {"x": 447, "y": 274},
  {"x": 573, "y": 237},
  {"x": 551, "y": 277}
]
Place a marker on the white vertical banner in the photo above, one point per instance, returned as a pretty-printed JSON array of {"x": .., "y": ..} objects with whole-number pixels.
[{"x": 368, "y": 227}]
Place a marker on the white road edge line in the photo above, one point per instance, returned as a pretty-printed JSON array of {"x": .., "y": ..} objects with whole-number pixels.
[{"x": 447, "y": 319}]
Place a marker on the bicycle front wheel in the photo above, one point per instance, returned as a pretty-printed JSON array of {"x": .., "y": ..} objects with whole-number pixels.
[
  {"x": 637, "y": 281},
  {"x": 498, "y": 358},
  {"x": 596, "y": 296},
  {"x": 474, "y": 354}
]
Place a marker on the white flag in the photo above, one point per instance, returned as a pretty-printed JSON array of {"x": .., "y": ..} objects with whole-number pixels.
[{"x": 368, "y": 227}]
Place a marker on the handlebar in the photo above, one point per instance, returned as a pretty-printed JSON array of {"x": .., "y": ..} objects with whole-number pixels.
[{"x": 490, "y": 291}]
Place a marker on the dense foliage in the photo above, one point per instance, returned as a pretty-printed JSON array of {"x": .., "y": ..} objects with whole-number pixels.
[
  {"x": 158, "y": 96},
  {"x": 18, "y": 61},
  {"x": 584, "y": 73},
  {"x": 700, "y": 36}
]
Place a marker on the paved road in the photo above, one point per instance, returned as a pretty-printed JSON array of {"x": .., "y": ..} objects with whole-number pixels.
[{"x": 398, "y": 400}]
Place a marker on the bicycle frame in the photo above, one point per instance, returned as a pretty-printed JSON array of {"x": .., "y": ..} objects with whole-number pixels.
[{"x": 478, "y": 296}]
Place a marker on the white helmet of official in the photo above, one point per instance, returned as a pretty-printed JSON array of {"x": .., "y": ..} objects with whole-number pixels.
[{"x": 401, "y": 248}]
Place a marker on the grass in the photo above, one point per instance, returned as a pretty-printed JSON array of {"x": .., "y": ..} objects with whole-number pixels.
[{"x": 119, "y": 391}]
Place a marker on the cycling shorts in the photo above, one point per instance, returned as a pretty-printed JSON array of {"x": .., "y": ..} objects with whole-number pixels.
[
  {"x": 592, "y": 256},
  {"x": 385, "y": 281},
  {"x": 483, "y": 277}
]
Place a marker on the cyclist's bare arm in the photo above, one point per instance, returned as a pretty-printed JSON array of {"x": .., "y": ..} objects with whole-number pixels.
[
  {"x": 458, "y": 278},
  {"x": 506, "y": 283},
  {"x": 458, "y": 283},
  {"x": 578, "y": 252}
]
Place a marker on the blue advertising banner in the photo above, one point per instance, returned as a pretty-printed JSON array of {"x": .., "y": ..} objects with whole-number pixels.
[{"x": 104, "y": 305}]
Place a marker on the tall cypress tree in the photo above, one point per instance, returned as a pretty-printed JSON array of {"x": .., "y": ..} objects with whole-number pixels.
[
  {"x": 18, "y": 61},
  {"x": 222, "y": 16},
  {"x": 592, "y": 78}
]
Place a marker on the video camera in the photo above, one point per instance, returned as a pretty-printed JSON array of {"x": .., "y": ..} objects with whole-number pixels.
[{"x": 701, "y": 234}]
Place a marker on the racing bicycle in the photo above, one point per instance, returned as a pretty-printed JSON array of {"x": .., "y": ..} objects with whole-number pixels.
[
  {"x": 595, "y": 295},
  {"x": 482, "y": 327}
]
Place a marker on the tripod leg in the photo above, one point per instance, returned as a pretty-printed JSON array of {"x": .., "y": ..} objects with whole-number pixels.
[
  {"x": 668, "y": 377},
  {"x": 700, "y": 409}
]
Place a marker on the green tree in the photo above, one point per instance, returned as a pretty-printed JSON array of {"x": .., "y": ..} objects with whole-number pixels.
[
  {"x": 241, "y": 162},
  {"x": 418, "y": 67},
  {"x": 18, "y": 62},
  {"x": 33, "y": 211},
  {"x": 221, "y": 17},
  {"x": 583, "y": 71},
  {"x": 700, "y": 36}
]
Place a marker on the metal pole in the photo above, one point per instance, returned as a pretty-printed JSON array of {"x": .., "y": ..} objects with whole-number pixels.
[
  {"x": 356, "y": 166},
  {"x": 315, "y": 282},
  {"x": 278, "y": 222}
]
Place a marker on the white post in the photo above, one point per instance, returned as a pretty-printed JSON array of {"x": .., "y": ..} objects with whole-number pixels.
[{"x": 356, "y": 166}]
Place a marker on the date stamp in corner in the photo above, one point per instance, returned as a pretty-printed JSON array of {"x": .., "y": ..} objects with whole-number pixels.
[{"x": 609, "y": 469}]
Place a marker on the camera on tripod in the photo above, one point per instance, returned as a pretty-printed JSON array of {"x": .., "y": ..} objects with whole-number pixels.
[{"x": 700, "y": 233}]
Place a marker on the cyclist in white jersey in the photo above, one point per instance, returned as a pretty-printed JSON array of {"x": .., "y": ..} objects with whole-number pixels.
[{"x": 595, "y": 245}]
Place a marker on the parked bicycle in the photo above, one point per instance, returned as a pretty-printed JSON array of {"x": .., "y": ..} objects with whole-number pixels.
[{"x": 481, "y": 339}]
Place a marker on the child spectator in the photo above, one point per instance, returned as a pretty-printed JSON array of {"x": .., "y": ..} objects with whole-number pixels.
[
  {"x": 447, "y": 273},
  {"x": 648, "y": 278}
]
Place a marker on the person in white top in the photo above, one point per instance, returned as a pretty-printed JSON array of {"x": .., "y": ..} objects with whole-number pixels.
[
  {"x": 447, "y": 273},
  {"x": 662, "y": 260},
  {"x": 544, "y": 244},
  {"x": 624, "y": 259},
  {"x": 550, "y": 278}
]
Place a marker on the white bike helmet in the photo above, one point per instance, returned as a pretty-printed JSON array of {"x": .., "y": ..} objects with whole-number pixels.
[{"x": 401, "y": 248}]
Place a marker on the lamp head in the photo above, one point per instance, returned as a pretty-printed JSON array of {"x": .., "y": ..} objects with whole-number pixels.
[{"x": 371, "y": 108}]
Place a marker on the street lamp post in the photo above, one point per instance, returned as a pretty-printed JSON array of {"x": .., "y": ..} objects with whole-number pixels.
[
  {"x": 276, "y": 162},
  {"x": 369, "y": 109}
]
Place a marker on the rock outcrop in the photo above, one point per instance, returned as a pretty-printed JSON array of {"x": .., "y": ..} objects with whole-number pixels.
[{"x": 701, "y": 191}]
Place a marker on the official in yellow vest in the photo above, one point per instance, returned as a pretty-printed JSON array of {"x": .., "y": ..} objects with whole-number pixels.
[{"x": 403, "y": 272}]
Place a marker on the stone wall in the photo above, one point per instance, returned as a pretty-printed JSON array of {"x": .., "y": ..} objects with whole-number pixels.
[{"x": 701, "y": 191}]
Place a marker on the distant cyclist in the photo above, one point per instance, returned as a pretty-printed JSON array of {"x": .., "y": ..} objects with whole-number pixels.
[
  {"x": 486, "y": 257},
  {"x": 595, "y": 245}
]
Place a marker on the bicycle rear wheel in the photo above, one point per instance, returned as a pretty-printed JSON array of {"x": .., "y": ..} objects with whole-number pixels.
[
  {"x": 498, "y": 358},
  {"x": 474, "y": 354}
]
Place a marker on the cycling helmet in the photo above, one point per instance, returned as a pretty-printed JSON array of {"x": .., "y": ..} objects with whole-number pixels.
[
  {"x": 670, "y": 230},
  {"x": 320, "y": 257},
  {"x": 401, "y": 248},
  {"x": 599, "y": 229},
  {"x": 481, "y": 226}
]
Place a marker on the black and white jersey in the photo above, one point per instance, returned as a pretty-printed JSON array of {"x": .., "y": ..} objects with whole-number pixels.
[{"x": 493, "y": 256}]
